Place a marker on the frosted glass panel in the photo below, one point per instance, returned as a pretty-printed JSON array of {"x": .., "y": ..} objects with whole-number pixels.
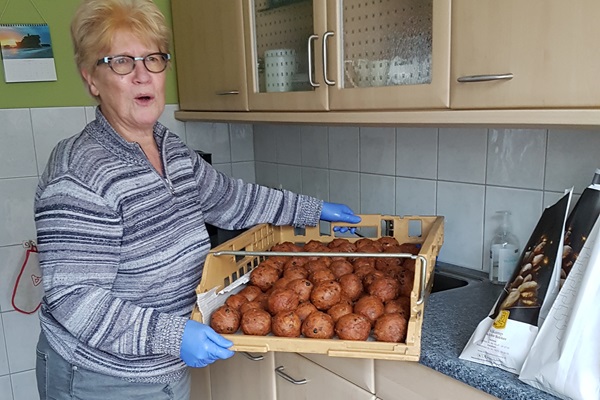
[
  {"x": 282, "y": 30},
  {"x": 386, "y": 42}
]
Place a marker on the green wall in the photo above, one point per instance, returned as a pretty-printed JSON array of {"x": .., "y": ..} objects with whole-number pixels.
[{"x": 68, "y": 90}]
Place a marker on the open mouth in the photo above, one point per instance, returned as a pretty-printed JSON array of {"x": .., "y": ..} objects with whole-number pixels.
[{"x": 144, "y": 98}]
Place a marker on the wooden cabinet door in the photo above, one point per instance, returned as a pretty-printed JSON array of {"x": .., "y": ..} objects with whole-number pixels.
[
  {"x": 389, "y": 55},
  {"x": 283, "y": 42},
  {"x": 299, "y": 378},
  {"x": 209, "y": 55},
  {"x": 243, "y": 376},
  {"x": 200, "y": 383},
  {"x": 549, "y": 47},
  {"x": 413, "y": 381},
  {"x": 359, "y": 371}
]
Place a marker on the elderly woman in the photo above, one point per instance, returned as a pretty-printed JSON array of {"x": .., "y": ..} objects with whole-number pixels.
[{"x": 120, "y": 213}]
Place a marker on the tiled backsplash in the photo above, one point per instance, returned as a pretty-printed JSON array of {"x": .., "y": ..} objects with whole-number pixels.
[{"x": 464, "y": 174}]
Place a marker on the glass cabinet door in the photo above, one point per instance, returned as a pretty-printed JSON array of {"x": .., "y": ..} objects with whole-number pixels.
[
  {"x": 284, "y": 45},
  {"x": 387, "y": 48}
]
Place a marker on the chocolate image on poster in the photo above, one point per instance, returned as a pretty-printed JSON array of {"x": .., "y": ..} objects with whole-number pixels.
[
  {"x": 524, "y": 293},
  {"x": 579, "y": 225}
]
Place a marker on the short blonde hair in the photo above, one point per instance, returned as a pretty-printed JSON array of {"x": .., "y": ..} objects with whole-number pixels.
[{"x": 96, "y": 21}]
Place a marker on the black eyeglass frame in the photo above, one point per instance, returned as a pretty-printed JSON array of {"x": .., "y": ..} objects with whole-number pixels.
[{"x": 108, "y": 59}]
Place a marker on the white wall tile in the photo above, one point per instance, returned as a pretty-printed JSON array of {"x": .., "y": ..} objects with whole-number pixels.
[
  {"x": 224, "y": 168},
  {"x": 4, "y": 370},
  {"x": 415, "y": 196},
  {"x": 344, "y": 188},
  {"x": 266, "y": 174},
  {"x": 90, "y": 114},
  {"x": 11, "y": 260},
  {"x": 244, "y": 171},
  {"x": 25, "y": 385},
  {"x": 168, "y": 119},
  {"x": 516, "y": 158},
  {"x": 525, "y": 207},
  {"x": 16, "y": 209},
  {"x": 265, "y": 142},
  {"x": 211, "y": 138},
  {"x": 417, "y": 152},
  {"x": 378, "y": 150},
  {"x": 5, "y": 388},
  {"x": 17, "y": 151},
  {"x": 572, "y": 159},
  {"x": 21, "y": 338},
  {"x": 462, "y": 206},
  {"x": 51, "y": 125},
  {"x": 344, "y": 148},
  {"x": 377, "y": 194},
  {"x": 289, "y": 145},
  {"x": 315, "y": 146},
  {"x": 315, "y": 182},
  {"x": 290, "y": 177},
  {"x": 462, "y": 154},
  {"x": 242, "y": 142}
]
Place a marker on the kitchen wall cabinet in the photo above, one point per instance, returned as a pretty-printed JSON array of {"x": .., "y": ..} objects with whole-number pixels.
[
  {"x": 548, "y": 46},
  {"x": 311, "y": 55},
  {"x": 413, "y": 381},
  {"x": 210, "y": 56},
  {"x": 300, "y": 378},
  {"x": 243, "y": 376}
]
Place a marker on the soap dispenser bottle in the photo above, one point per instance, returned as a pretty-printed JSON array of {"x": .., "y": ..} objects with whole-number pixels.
[{"x": 504, "y": 250}]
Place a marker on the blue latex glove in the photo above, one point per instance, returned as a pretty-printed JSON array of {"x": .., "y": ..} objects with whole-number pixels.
[
  {"x": 334, "y": 212},
  {"x": 201, "y": 345}
]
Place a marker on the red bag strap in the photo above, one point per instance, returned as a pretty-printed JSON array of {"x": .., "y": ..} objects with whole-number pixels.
[{"x": 32, "y": 248}]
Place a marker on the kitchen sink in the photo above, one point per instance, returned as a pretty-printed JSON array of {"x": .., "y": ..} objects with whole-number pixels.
[
  {"x": 450, "y": 277},
  {"x": 443, "y": 281}
]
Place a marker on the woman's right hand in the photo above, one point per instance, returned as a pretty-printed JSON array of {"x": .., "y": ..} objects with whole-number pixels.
[{"x": 201, "y": 345}]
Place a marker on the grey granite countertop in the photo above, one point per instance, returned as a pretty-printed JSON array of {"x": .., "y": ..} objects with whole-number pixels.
[{"x": 450, "y": 318}]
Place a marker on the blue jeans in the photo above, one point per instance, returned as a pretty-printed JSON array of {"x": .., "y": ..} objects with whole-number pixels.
[{"x": 59, "y": 380}]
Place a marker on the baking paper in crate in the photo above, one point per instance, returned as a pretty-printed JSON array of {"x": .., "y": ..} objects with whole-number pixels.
[
  {"x": 504, "y": 338},
  {"x": 208, "y": 302},
  {"x": 563, "y": 359}
]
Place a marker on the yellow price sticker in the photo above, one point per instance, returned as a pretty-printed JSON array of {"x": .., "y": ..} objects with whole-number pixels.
[{"x": 501, "y": 319}]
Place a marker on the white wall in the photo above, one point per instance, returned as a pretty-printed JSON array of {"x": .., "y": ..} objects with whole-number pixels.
[{"x": 28, "y": 136}]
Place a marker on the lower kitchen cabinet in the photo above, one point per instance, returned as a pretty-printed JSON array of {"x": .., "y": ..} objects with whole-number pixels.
[
  {"x": 413, "y": 381},
  {"x": 359, "y": 371},
  {"x": 244, "y": 376},
  {"x": 299, "y": 378},
  {"x": 200, "y": 378}
]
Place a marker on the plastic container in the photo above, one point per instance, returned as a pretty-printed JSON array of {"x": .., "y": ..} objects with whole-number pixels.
[
  {"x": 222, "y": 272},
  {"x": 504, "y": 250}
]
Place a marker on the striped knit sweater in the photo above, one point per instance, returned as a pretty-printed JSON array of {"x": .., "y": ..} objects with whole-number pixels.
[{"x": 122, "y": 248}]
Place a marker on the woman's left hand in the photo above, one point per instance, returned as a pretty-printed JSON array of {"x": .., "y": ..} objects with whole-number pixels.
[{"x": 334, "y": 212}]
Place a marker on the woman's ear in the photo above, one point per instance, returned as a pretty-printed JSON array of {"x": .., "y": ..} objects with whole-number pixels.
[{"x": 89, "y": 79}]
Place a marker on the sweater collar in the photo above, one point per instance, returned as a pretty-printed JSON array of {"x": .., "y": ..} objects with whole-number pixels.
[{"x": 101, "y": 130}]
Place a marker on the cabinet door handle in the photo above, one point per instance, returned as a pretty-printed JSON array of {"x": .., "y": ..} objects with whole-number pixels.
[
  {"x": 227, "y": 92},
  {"x": 325, "y": 77},
  {"x": 253, "y": 358},
  {"x": 485, "y": 78},
  {"x": 279, "y": 371},
  {"x": 312, "y": 82}
]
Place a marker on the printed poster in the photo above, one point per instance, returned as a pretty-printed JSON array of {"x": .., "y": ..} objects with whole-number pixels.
[{"x": 27, "y": 53}]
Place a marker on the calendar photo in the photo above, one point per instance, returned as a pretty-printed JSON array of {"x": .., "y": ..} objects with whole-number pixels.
[{"x": 27, "y": 53}]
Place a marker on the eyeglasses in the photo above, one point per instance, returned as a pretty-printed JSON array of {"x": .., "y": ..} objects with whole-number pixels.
[{"x": 123, "y": 65}]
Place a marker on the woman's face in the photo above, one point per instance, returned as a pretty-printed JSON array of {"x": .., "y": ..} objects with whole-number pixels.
[{"x": 132, "y": 103}]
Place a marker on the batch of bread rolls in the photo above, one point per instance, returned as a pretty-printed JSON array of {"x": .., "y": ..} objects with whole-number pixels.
[{"x": 351, "y": 298}]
